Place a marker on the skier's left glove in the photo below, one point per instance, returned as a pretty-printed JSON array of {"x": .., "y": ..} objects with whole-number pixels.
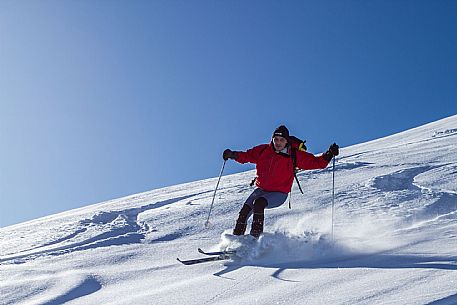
[{"x": 333, "y": 150}]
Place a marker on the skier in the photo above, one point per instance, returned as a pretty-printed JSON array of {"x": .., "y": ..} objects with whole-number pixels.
[{"x": 275, "y": 174}]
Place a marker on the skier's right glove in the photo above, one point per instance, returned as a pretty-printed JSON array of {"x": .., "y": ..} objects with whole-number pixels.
[
  {"x": 228, "y": 154},
  {"x": 333, "y": 150}
]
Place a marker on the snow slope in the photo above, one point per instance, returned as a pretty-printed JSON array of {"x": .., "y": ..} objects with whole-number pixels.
[{"x": 395, "y": 238}]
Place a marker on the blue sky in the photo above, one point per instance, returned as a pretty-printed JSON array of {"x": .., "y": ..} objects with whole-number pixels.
[{"x": 101, "y": 99}]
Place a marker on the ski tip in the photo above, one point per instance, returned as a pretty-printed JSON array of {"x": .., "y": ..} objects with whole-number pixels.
[
  {"x": 223, "y": 252},
  {"x": 183, "y": 262}
]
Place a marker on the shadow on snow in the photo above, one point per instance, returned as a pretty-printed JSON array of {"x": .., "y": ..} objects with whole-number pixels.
[{"x": 371, "y": 261}]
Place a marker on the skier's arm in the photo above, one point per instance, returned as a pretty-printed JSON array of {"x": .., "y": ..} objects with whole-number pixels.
[
  {"x": 306, "y": 160},
  {"x": 249, "y": 156}
]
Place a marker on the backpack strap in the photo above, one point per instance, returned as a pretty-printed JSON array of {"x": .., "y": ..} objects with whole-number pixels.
[
  {"x": 294, "y": 163},
  {"x": 293, "y": 154}
]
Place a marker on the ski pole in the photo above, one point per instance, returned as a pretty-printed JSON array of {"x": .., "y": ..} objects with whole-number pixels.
[
  {"x": 333, "y": 195},
  {"x": 214, "y": 195}
]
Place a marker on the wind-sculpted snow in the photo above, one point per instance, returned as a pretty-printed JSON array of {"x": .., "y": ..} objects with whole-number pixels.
[
  {"x": 104, "y": 229},
  {"x": 403, "y": 187},
  {"x": 442, "y": 178},
  {"x": 392, "y": 238},
  {"x": 62, "y": 287},
  {"x": 400, "y": 180},
  {"x": 88, "y": 286}
]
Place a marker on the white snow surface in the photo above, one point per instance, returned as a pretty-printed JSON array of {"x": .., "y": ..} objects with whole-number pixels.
[{"x": 394, "y": 241}]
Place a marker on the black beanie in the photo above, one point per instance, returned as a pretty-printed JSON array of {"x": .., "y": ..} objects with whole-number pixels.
[{"x": 281, "y": 131}]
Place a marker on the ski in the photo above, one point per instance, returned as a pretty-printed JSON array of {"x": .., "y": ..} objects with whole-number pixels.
[
  {"x": 204, "y": 260},
  {"x": 212, "y": 256},
  {"x": 228, "y": 252}
]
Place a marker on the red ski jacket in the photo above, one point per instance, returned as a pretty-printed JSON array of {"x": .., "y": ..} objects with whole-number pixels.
[{"x": 275, "y": 171}]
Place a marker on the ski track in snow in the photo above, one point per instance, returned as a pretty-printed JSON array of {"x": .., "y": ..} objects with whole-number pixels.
[{"x": 395, "y": 238}]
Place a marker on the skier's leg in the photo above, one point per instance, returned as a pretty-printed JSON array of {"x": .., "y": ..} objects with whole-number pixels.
[
  {"x": 241, "y": 222},
  {"x": 259, "y": 215},
  {"x": 246, "y": 212}
]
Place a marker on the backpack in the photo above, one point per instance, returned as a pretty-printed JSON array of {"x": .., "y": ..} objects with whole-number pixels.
[{"x": 297, "y": 143}]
